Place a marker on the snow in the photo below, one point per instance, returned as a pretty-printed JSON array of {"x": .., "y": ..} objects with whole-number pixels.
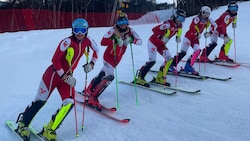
[{"x": 221, "y": 112}]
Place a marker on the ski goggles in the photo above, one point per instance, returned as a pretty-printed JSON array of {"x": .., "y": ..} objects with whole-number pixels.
[
  {"x": 122, "y": 22},
  {"x": 207, "y": 14},
  {"x": 80, "y": 30},
  {"x": 233, "y": 8},
  {"x": 180, "y": 18}
]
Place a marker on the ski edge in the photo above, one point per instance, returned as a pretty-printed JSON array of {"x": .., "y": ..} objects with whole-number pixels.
[
  {"x": 36, "y": 133},
  {"x": 148, "y": 88},
  {"x": 13, "y": 127},
  {"x": 199, "y": 77},
  {"x": 177, "y": 89},
  {"x": 111, "y": 109},
  {"x": 125, "y": 120}
]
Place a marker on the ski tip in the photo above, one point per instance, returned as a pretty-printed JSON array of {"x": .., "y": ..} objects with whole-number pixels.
[
  {"x": 125, "y": 120},
  {"x": 172, "y": 93},
  {"x": 113, "y": 109},
  {"x": 196, "y": 92}
]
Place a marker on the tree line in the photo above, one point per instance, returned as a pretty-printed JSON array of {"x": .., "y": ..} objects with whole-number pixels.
[{"x": 134, "y": 6}]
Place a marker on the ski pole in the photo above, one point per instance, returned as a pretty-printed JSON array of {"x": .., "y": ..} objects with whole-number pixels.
[
  {"x": 132, "y": 56},
  {"x": 176, "y": 62},
  {"x": 205, "y": 49},
  {"x": 116, "y": 79},
  {"x": 85, "y": 86},
  {"x": 205, "y": 52},
  {"x": 69, "y": 57},
  {"x": 234, "y": 46},
  {"x": 179, "y": 32}
]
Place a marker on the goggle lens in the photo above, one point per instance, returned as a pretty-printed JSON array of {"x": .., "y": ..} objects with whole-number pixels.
[
  {"x": 180, "y": 18},
  {"x": 233, "y": 8},
  {"x": 80, "y": 30},
  {"x": 122, "y": 22}
]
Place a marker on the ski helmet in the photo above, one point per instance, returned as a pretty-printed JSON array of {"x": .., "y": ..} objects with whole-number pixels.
[
  {"x": 233, "y": 6},
  {"x": 205, "y": 10},
  {"x": 80, "y": 25},
  {"x": 180, "y": 15},
  {"x": 122, "y": 18}
]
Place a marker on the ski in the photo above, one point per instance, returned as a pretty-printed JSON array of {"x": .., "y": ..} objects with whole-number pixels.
[
  {"x": 201, "y": 77},
  {"x": 104, "y": 113},
  {"x": 37, "y": 134},
  {"x": 111, "y": 109},
  {"x": 225, "y": 63},
  {"x": 13, "y": 126},
  {"x": 175, "y": 88},
  {"x": 219, "y": 63},
  {"x": 148, "y": 88}
]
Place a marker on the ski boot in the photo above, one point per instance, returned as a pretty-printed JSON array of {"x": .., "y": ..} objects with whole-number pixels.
[
  {"x": 204, "y": 59},
  {"x": 160, "y": 79},
  {"x": 97, "y": 91},
  {"x": 48, "y": 133},
  {"x": 189, "y": 69},
  {"x": 172, "y": 69},
  {"x": 94, "y": 103},
  {"x": 23, "y": 131},
  {"x": 206, "y": 52},
  {"x": 140, "y": 80},
  {"x": 224, "y": 57}
]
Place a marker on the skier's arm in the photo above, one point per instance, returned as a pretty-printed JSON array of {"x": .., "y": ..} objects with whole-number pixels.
[
  {"x": 136, "y": 38},
  {"x": 59, "y": 55}
]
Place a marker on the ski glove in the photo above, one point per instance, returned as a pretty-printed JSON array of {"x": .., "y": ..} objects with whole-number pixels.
[
  {"x": 88, "y": 67},
  {"x": 69, "y": 79},
  {"x": 233, "y": 25},
  {"x": 207, "y": 34},
  {"x": 178, "y": 39},
  {"x": 127, "y": 41}
]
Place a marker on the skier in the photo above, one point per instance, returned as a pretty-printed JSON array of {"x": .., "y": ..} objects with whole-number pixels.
[
  {"x": 229, "y": 16},
  {"x": 60, "y": 75},
  {"x": 192, "y": 36},
  {"x": 116, "y": 40},
  {"x": 157, "y": 43}
]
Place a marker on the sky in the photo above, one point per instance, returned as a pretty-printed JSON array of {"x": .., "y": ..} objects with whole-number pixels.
[{"x": 220, "y": 112}]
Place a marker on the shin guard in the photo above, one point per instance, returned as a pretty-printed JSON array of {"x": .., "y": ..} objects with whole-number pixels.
[
  {"x": 144, "y": 69},
  {"x": 60, "y": 115},
  {"x": 31, "y": 111},
  {"x": 178, "y": 58},
  {"x": 165, "y": 69},
  {"x": 227, "y": 46},
  {"x": 194, "y": 57},
  {"x": 102, "y": 86}
]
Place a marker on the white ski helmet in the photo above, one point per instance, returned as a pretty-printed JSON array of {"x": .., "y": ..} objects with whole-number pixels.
[{"x": 205, "y": 10}]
